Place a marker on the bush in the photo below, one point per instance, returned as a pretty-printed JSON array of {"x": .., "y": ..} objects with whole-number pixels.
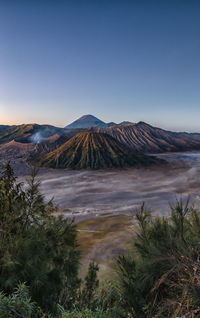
[
  {"x": 18, "y": 304},
  {"x": 86, "y": 313},
  {"x": 162, "y": 274},
  {"x": 35, "y": 246}
]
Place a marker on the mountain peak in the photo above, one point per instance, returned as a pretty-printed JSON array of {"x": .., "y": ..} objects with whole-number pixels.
[
  {"x": 125, "y": 123},
  {"x": 88, "y": 116},
  {"x": 87, "y": 121},
  {"x": 142, "y": 123}
]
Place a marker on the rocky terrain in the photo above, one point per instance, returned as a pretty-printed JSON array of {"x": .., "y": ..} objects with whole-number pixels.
[
  {"x": 19, "y": 152},
  {"x": 127, "y": 142},
  {"x": 146, "y": 138},
  {"x": 34, "y": 133},
  {"x": 94, "y": 151}
]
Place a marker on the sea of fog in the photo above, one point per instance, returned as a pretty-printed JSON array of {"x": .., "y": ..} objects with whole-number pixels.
[{"x": 86, "y": 194}]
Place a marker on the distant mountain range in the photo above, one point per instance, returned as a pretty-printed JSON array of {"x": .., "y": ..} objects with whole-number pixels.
[
  {"x": 28, "y": 133},
  {"x": 138, "y": 138},
  {"x": 88, "y": 121},
  {"x": 34, "y": 133},
  {"x": 146, "y": 138},
  {"x": 3, "y": 127},
  {"x": 94, "y": 151}
]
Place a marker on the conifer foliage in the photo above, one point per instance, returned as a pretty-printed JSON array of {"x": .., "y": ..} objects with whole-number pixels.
[
  {"x": 36, "y": 247},
  {"x": 161, "y": 276}
]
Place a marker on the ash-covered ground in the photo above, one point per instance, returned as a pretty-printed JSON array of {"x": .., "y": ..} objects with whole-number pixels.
[{"x": 87, "y": 194}]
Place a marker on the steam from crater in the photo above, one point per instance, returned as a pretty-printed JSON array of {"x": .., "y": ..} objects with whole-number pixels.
[
  {"x": 36, "y": 138},
  {"x": 42, "y": 134}
]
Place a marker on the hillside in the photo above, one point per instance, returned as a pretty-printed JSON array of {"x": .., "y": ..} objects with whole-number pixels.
[
  {"x": 28, "y": 133},
  {"x": 24, "y": 150},
  {"x": 94, "y": 151},
  {"x": 87, "y": 121},
  {"x": 146, "y": 138},
  {"x": 3, "y": 127},
  {"x": 20, "y": 153},
  {"x": 141, "y": 137},
  {"x": 34, "y": 133}
]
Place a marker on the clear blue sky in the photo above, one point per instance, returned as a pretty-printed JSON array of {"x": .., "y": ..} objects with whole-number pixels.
[{"x": 118, "y": 60}]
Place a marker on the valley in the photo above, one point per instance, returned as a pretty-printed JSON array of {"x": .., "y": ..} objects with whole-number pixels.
[
  {"x": 103, "y": 203},
  {"x": 100, "y": 175},
  {"x": 86, "y": 194},
  {"x": 108, "y": 168},
  {"x": 100, "y": 159}
]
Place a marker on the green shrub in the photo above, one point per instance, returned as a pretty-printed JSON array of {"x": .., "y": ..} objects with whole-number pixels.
[
  {"x": 18, "y": 304},
  {"x": 86, "y": 313},
  {"x": 162, "y": 274},
  {"x": 35, "y": 246}
]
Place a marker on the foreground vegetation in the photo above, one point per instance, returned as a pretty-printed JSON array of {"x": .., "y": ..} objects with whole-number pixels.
[{"x": 159, "y": 276}]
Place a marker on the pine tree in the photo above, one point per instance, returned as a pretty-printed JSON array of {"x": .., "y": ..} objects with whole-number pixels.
[
  {"x": 36, "y": 247},
  {"x": 91, "y": 284},
  {"x": 162, "y": 276}
]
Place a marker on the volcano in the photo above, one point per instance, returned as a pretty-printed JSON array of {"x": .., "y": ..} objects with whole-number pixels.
[
  {"x": 87, "y": 121},
  {"x": 94, "y": 151}
]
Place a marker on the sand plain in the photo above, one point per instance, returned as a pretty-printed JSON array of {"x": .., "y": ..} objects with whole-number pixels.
[{"x": 87, "y": 194}]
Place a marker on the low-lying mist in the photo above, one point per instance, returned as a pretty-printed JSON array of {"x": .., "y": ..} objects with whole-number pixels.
[{"x": 86, "y": 194}]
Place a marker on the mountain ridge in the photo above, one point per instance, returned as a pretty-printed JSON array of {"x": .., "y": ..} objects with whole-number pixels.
[
  {"x": 94, "y": 151},
  {"x": 87, "y": 121},
  {"x": 141, "y": 137}
]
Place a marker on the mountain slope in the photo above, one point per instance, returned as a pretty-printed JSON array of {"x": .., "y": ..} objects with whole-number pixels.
[
  {"x": 3, "y": 127},
  {"x": 125, "y": 123},
  {"x": 26, "y": 150},
  {"x": 87, "y": 121},
  {"x": 146, "y": 138},
  {"x": 28, "y": 132},
  {"x": 140, "y": 137},
  {"x": 95, "y": 151}
]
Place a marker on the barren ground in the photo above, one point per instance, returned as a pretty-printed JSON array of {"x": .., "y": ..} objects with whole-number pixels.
[
  {"x": 87, "y": 194},
  {"x": 103, "y": 202}
]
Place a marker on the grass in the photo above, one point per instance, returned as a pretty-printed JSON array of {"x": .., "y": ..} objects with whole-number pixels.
[{"x": 102, "y": 240}]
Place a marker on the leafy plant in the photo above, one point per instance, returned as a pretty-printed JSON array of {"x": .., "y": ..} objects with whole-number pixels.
[
  {"x": 35, "y": 246},
  {"x": 162, "y": 276},
  {"x": 18, "y": 304}
]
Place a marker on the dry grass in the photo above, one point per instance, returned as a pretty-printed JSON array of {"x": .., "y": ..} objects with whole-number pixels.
[{"x": 102, "y": 240}]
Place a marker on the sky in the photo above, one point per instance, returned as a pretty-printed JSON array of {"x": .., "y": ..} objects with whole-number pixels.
[{"x": 118, "y": 60}]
